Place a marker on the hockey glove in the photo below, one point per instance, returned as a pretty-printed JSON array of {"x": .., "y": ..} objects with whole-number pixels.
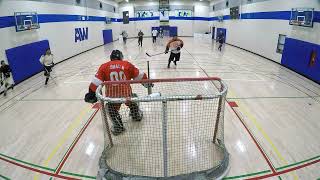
[
  {"x": 166, "y": 51},
  {"x": 90, "y": 97},
  {"x": 178, "y": 48}
]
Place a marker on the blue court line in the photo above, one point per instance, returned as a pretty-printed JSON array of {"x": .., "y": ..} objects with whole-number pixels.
[{"x": 9, "y": 21}]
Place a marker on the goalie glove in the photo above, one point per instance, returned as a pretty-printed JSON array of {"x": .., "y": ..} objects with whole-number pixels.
[
  {"x": 166, "y": 51},
  {"x": 90, "y": 97}
]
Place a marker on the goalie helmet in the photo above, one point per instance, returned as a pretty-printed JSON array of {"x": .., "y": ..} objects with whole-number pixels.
[{"x": 116, "y": 55}]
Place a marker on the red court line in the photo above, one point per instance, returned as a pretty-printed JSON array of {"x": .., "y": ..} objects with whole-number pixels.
[
  {"x": 254, "y": 140},
  {"x": 37, "y": 170},
  {"x": 75, "y": 142},
  {"x": 285, "y": 171}
]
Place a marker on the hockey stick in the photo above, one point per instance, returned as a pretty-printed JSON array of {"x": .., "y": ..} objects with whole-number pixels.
[{"x": 156, "y": 54}]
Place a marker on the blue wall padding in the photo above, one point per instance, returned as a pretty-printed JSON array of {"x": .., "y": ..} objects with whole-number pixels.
[
  {"x": 297, "y": 55},
  {"x": 165, "y": 27},
  {"x": 24, "y": 60},
  {"x": 107, "y": 36},
  {"x": 224, "y": 31},
  {"x": 173, "y": 31}
]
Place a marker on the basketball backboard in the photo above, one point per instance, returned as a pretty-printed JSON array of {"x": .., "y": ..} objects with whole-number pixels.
[
  {"x": 302, "y": 17},
  {"x": 26, "y": 21}
]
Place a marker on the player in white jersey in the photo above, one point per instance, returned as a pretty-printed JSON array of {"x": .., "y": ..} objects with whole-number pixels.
[
  {"x": 154, "y": 35},
  {"x": 175, "y": 45},
  {"x": 47, "y": 61}
]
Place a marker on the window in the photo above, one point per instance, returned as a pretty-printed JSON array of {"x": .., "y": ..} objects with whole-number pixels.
[{"x": 281, "y": 41}]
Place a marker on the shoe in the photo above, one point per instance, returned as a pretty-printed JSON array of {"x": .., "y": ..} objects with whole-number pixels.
[
  {"x": 4, "y": 93},
  {"x": 137, "y": 116},
  {"x": 117, "y": 130},
  {"x": 168, "y": 67},
  {"x": 175, "y": 63}
]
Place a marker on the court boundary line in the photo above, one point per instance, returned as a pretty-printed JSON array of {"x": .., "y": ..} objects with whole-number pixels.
[
  {"x": 307, "y": 164},
  {"x": 250, "y": 134},
  {"x": 74, "y": 124},
  {"x": 38, "y": 171},
  {"x": 4, "y": 177},
  {"x": 60, "y": 166},
  {"x": 71, "y": 127},
  {"x": 304, "y": 163},
  {"x": 28, "y": 163},
  {"x": 254, "y": 139},
  {"x": 286, "y": 171}
]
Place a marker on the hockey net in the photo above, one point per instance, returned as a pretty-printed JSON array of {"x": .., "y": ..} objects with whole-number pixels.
[{"x": 175, "y": 132}]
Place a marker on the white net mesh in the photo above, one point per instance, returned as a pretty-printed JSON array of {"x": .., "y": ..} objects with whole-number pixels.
[{"x": 175, "y": 132}]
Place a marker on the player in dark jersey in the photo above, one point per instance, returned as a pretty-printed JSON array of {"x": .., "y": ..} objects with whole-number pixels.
[{"x": 4, "y": 76}]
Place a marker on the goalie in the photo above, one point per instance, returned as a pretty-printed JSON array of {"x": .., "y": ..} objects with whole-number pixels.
[{"x": 117, "y": 70}]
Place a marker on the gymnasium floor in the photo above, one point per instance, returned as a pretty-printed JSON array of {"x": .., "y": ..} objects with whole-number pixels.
[{"x": 49, "y": 132}]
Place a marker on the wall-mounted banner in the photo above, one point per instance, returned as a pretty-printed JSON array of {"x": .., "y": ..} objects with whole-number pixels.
[
  {"x": 80, "y": 34},
  {"x": 164, "y": 15},
  {"x": 144, "y": 14},
  {"x": 183, "y": 13}
]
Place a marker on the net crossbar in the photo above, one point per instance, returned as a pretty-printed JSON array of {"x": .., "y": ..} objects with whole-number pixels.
[{"x": 163, "y": 129}]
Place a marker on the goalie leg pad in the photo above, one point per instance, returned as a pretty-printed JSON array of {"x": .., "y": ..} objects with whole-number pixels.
[
  {"x": 135, "y": 112},
  {"x": 115, "y": 116}
]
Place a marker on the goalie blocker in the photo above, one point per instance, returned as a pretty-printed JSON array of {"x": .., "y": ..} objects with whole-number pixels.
[{"x": 117, "y": 69}]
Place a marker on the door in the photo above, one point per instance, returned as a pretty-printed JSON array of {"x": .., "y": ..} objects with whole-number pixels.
[
  {"x": 173, "y": 31},
  {"x": 223, "y": 31},
  {"x": 213, "y": 32}
]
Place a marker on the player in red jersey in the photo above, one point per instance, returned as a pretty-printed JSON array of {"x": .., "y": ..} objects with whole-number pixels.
[{"x": 117, "y": 70}]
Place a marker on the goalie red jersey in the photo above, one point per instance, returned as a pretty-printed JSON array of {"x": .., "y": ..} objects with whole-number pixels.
[{"x": 117, "y": 70}]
